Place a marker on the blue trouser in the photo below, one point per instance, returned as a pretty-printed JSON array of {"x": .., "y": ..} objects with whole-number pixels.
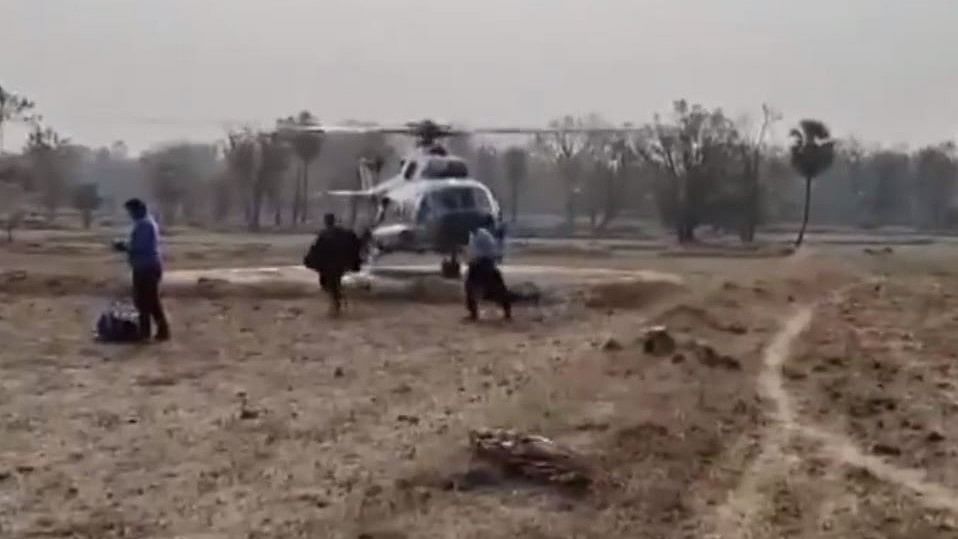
[{"x": 146, "y": 299}]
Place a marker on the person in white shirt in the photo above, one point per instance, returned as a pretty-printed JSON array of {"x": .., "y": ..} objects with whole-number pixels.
[
  {"x": 483, "y": 278},
  {"x": 482, "y": 244}
]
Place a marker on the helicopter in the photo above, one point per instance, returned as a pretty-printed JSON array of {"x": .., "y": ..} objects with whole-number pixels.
[{"x": 432, "y": 203}]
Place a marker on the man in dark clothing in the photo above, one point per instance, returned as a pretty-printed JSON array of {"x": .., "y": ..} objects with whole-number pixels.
[
  {"x": 483, "y": 278},
  {"x": 143, "y": 255},
  {"x": 335, "y": 252}
]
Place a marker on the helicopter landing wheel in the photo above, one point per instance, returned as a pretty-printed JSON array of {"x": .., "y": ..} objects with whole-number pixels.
[{"x": 450, "y": 269}]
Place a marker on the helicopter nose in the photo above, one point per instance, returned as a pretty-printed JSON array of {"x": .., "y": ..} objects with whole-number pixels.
[{"x": 453, "y": 229}]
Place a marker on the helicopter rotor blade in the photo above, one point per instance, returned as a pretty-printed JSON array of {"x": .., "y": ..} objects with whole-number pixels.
[
  {"x": 325, "y": 129},
  {"x": 437, "y": 130},
  {"x": 553, "y": 130},
  {"x": 346, "y": 129}
]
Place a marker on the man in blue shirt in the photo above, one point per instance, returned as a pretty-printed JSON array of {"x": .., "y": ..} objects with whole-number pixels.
[{"x": 143, "y": 255}]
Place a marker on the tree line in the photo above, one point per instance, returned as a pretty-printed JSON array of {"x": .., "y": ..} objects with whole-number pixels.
[{"x": 692, "y": 167}]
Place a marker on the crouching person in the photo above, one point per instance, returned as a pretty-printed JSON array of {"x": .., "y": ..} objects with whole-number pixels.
[{"x": 483, "y": 279}]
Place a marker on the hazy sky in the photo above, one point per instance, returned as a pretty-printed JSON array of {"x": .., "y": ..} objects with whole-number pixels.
[{"x": 149, "y": 70}]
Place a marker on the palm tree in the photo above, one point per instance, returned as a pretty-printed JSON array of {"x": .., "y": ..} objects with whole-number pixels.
[
  {"x": 243, "y": 161},
  {"x": 813, "y": 152},
  {"x": 273, "y": 165},
  {"x": 307, "y": 146}
]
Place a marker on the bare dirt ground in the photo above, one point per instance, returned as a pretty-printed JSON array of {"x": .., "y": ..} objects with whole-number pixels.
[{"x": 826, "y": 409}]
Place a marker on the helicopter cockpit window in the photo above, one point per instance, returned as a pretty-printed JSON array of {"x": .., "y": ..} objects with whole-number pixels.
[
  {"x": 481, "y": 200},
  {"x": 410, "y": 170},
  {"x": 445, "y": 168},
  {"x": 459, "y": 198}
]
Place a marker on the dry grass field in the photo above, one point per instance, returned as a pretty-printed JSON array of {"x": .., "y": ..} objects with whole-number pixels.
[{"x": 811, "y": 395}]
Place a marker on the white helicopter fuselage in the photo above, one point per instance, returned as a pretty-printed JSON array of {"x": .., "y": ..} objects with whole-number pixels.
[
  {"x": 420, "y": 216},
  {"x": 431, "y": 205}
]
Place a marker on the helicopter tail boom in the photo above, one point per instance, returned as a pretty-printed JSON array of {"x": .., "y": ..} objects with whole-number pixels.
[{"x": 353, "y": 194}]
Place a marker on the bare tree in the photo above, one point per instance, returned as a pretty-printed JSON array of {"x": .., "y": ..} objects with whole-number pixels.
[
  {"x": 693, "y": 149},
  {"x": 12, "y": 207},
  {"x": 177, "y": 174},
  {"x": 13, "y": 108},
  {"x": 257, "y": 163},
  {"x": 49, "y": 156},
  {"x": 613, "y": 161},
  {"x": 855, "y": 158},
  {"x": 752, "y": 153},
  {"x": 564, "y": 147},
  {"x": 936, "y": 179},
  {"x": 517, "y": 169},
  {"x": 86, "y": 200},
  {"x": 888, "y": 174},
  {"x": 812, "y": 153},
  {"x": 463, "y": 146},
  {"x": 488, "y": 167}
]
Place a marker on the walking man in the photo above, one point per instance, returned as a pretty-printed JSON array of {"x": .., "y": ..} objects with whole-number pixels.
[
  {"x": 483, "y": 278},
  {"x": 143, "y": 255},
  {"x": 335, "y": 251}
]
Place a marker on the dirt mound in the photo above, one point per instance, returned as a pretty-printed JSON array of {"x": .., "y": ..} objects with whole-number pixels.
[
  {"x": 684, "y": 317},
  {"x": 658, "y": 341},
  {"x": 590, "y": 250},
  {"x": 723, "y": 251},
  {"x": 40, "y": 284},
  {"x": 425, "y": 290},
  {"x": 72, "y": 249},
  {"x": 220, "y": 288},
  {"x": 629, "y": 294},
  {"x": 429, "y": 290}
]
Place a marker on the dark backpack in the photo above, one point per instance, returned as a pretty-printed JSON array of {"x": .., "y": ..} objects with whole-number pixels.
[
  {"x": 346, "y": 247},
  {"x": 118, "y": 324},
  {"x": 312, "y": 258}
]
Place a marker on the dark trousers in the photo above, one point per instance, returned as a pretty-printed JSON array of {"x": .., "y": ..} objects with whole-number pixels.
[
  {"x": 484, "y": 281},
  {"x": 146, "y": 298},
  {"x": 332, "y": 283}
]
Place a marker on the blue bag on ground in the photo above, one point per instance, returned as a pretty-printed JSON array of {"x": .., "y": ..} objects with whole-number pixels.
[{"x": 119, "y": 324}]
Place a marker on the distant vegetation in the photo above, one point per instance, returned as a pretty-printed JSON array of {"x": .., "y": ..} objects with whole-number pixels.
[{"x": 690, "y": 168}]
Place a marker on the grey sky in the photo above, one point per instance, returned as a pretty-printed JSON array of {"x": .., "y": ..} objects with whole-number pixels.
[{"x": 885, "y": 70}]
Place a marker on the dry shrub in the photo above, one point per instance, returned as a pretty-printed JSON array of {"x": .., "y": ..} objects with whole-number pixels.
[{"x": 629, "y": 294}]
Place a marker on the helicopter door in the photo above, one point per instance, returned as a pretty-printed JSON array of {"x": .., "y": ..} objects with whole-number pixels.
[
  {"x": 424, "y": 211},
  {"x": 410, "y": 170},
  {"x": 408, "y": 210}
]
